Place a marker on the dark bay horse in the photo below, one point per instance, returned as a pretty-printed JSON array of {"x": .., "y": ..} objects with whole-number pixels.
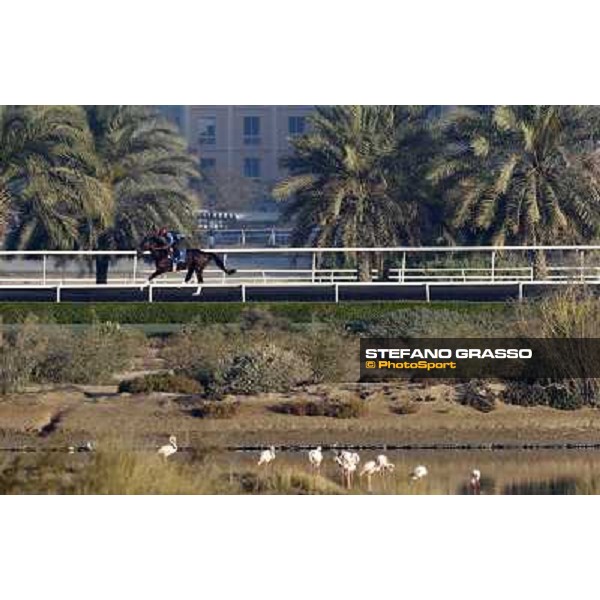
[{"x": 195, "y": 260}]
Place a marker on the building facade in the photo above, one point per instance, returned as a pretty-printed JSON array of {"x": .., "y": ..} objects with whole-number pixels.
[{"x": 244, "y": 141}]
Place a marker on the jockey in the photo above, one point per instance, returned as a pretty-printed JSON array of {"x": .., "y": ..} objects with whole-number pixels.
[{"x": 172, "y": 239}]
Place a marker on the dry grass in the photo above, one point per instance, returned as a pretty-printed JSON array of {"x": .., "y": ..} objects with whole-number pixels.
[{"x": 114, "y": 470}]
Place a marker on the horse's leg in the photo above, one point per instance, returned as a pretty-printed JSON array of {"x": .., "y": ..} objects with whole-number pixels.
[
  {"x": 147, "y": 282},
  {"x": 190, "y": 273},
  {"x": 156, "y": 274},
  {"x": 199, "y": 268}
]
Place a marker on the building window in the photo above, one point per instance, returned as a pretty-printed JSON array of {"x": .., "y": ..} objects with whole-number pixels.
[
  {"x": 252, "y": 168},
  {"x": 208, "y": 164},
  {"x": 296, "y": 125},
  {"x": 207, "y": 131},
  {"x": 252, "y": 131}
]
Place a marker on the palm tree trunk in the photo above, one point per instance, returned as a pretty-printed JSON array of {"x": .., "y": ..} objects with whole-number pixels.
[
  {"x": 363, "y": 266},
  {"x": 540, "y": 266},
  {"x": 102, "y": 265}
]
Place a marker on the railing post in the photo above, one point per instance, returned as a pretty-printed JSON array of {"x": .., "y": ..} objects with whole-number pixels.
[
  {"x": 135, "y": 267},
  {"x": 493, "y": 265},
  {"x": 243, "y": 237},
  {"x": 521, "y": 291},
  {"x": 582, "y": 264},
  {"x": 44, "y": 268},
  {"x": 403, "y": 272},
  {"x": 58, "y": 293},
  {"x": 243, "y": 289},
  {"x": 223, "y": 273},
  {"x": 314, "y": 266},
  {"x": 427, "y": 293},
  {"x": 337, "y": 293},
  {"x": 150, "y": 293}
]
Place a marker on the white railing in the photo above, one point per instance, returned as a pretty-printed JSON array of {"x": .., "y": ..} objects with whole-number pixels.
[
  {"x": 406, "y": 266},
  {"x": 247, "y": 237}
]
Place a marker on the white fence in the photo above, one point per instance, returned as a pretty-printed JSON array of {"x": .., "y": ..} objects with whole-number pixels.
[
  {"x": 278, "y": 266},
  {"x": 410, "y": 271}
]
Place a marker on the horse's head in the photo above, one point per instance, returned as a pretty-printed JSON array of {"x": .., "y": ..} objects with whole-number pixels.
[
  {"x": 155, "y": 244},
  {"x": 148, "y": 244}
]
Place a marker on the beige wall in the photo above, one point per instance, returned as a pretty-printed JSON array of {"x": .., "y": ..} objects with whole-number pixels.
[{"x": 231, "y": 149}]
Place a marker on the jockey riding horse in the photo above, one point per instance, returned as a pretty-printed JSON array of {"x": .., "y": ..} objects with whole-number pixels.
[{"x": 166, "y": 256}]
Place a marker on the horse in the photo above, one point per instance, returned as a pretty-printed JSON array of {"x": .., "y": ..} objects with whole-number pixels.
[{"x": 195, "y": 260}]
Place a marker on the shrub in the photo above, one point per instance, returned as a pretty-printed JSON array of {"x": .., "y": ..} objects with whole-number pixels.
[
  {"x": 333, "y": 355},
  {"x": 209, "y": 313},
  {"x": 89, "y": 356},
  {"x": 561, "y": 396},
  {"x": 427, "y": 322},
  {"x": 265, "y": 368},
  {"x": 338, "y": 409},
  {"x": 201, "y": 351},
  {"x": 405, "y": 408},
  {"x": 478, "y": 395},
  {"x": 176, "y": 383},
  {"x": 21, "y": 352},
  {"x": 213, "y": 409},
  {"x": 253, "y": 319},
  {"x": 572, "y": 315},
  {"x": 286, "y": 481}
]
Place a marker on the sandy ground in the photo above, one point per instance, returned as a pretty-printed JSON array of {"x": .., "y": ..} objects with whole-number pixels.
[{"x": 61, "y": 416}]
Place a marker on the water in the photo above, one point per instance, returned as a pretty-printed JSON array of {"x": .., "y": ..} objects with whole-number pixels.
[
  {"x": 504, "y": 472},
  {"x": 520, "y": 472}
]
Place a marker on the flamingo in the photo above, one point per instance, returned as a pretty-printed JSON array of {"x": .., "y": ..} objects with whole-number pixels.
[
  {"x": 475, "y": 482},
  {"x": 315, "y": 458},
  {"x": 419, "y": 473},
  {"x": 168, "y": 449},
  {"x": 267, "y": 456},
  {"x": 86, "y": 447},
  {"x": 369, "y": 469},
  {"x": 348, "y": 462},
  {"x": 384, "y": 464}
]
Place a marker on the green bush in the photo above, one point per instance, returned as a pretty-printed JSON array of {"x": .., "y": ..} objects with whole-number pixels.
[
  {"x": 338, "y": 409},
  {"x": 267, "y": 368},
  {"x": 223, "y": 312},
  {"x": 429, "y": 322},
  {"x": 177, "y": 383},
  {"x": 207, "y": 352},
  {"x": 92, "y": 355},
  {"x": 332, "y": 355},
  {"x": 21, "y": 353}
]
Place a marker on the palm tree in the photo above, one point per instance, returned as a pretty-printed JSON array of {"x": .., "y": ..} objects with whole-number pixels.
[
  {"x": 143, "y": 164},
  {"x": 519, "y": 174},
  {"x": 47, "y": 178},
  {"x": 93, "y": 177},
  {"x": 344, "y": 186}
]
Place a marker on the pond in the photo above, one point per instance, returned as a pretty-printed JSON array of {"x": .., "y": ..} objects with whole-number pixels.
[{"x": 449, "y": 471}]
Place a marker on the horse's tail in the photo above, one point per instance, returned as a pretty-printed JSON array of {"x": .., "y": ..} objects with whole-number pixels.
[{"x": 220, "y": 263}]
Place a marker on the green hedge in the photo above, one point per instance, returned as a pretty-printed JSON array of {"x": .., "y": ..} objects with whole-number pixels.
[{"x": 184, "y": 312}]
